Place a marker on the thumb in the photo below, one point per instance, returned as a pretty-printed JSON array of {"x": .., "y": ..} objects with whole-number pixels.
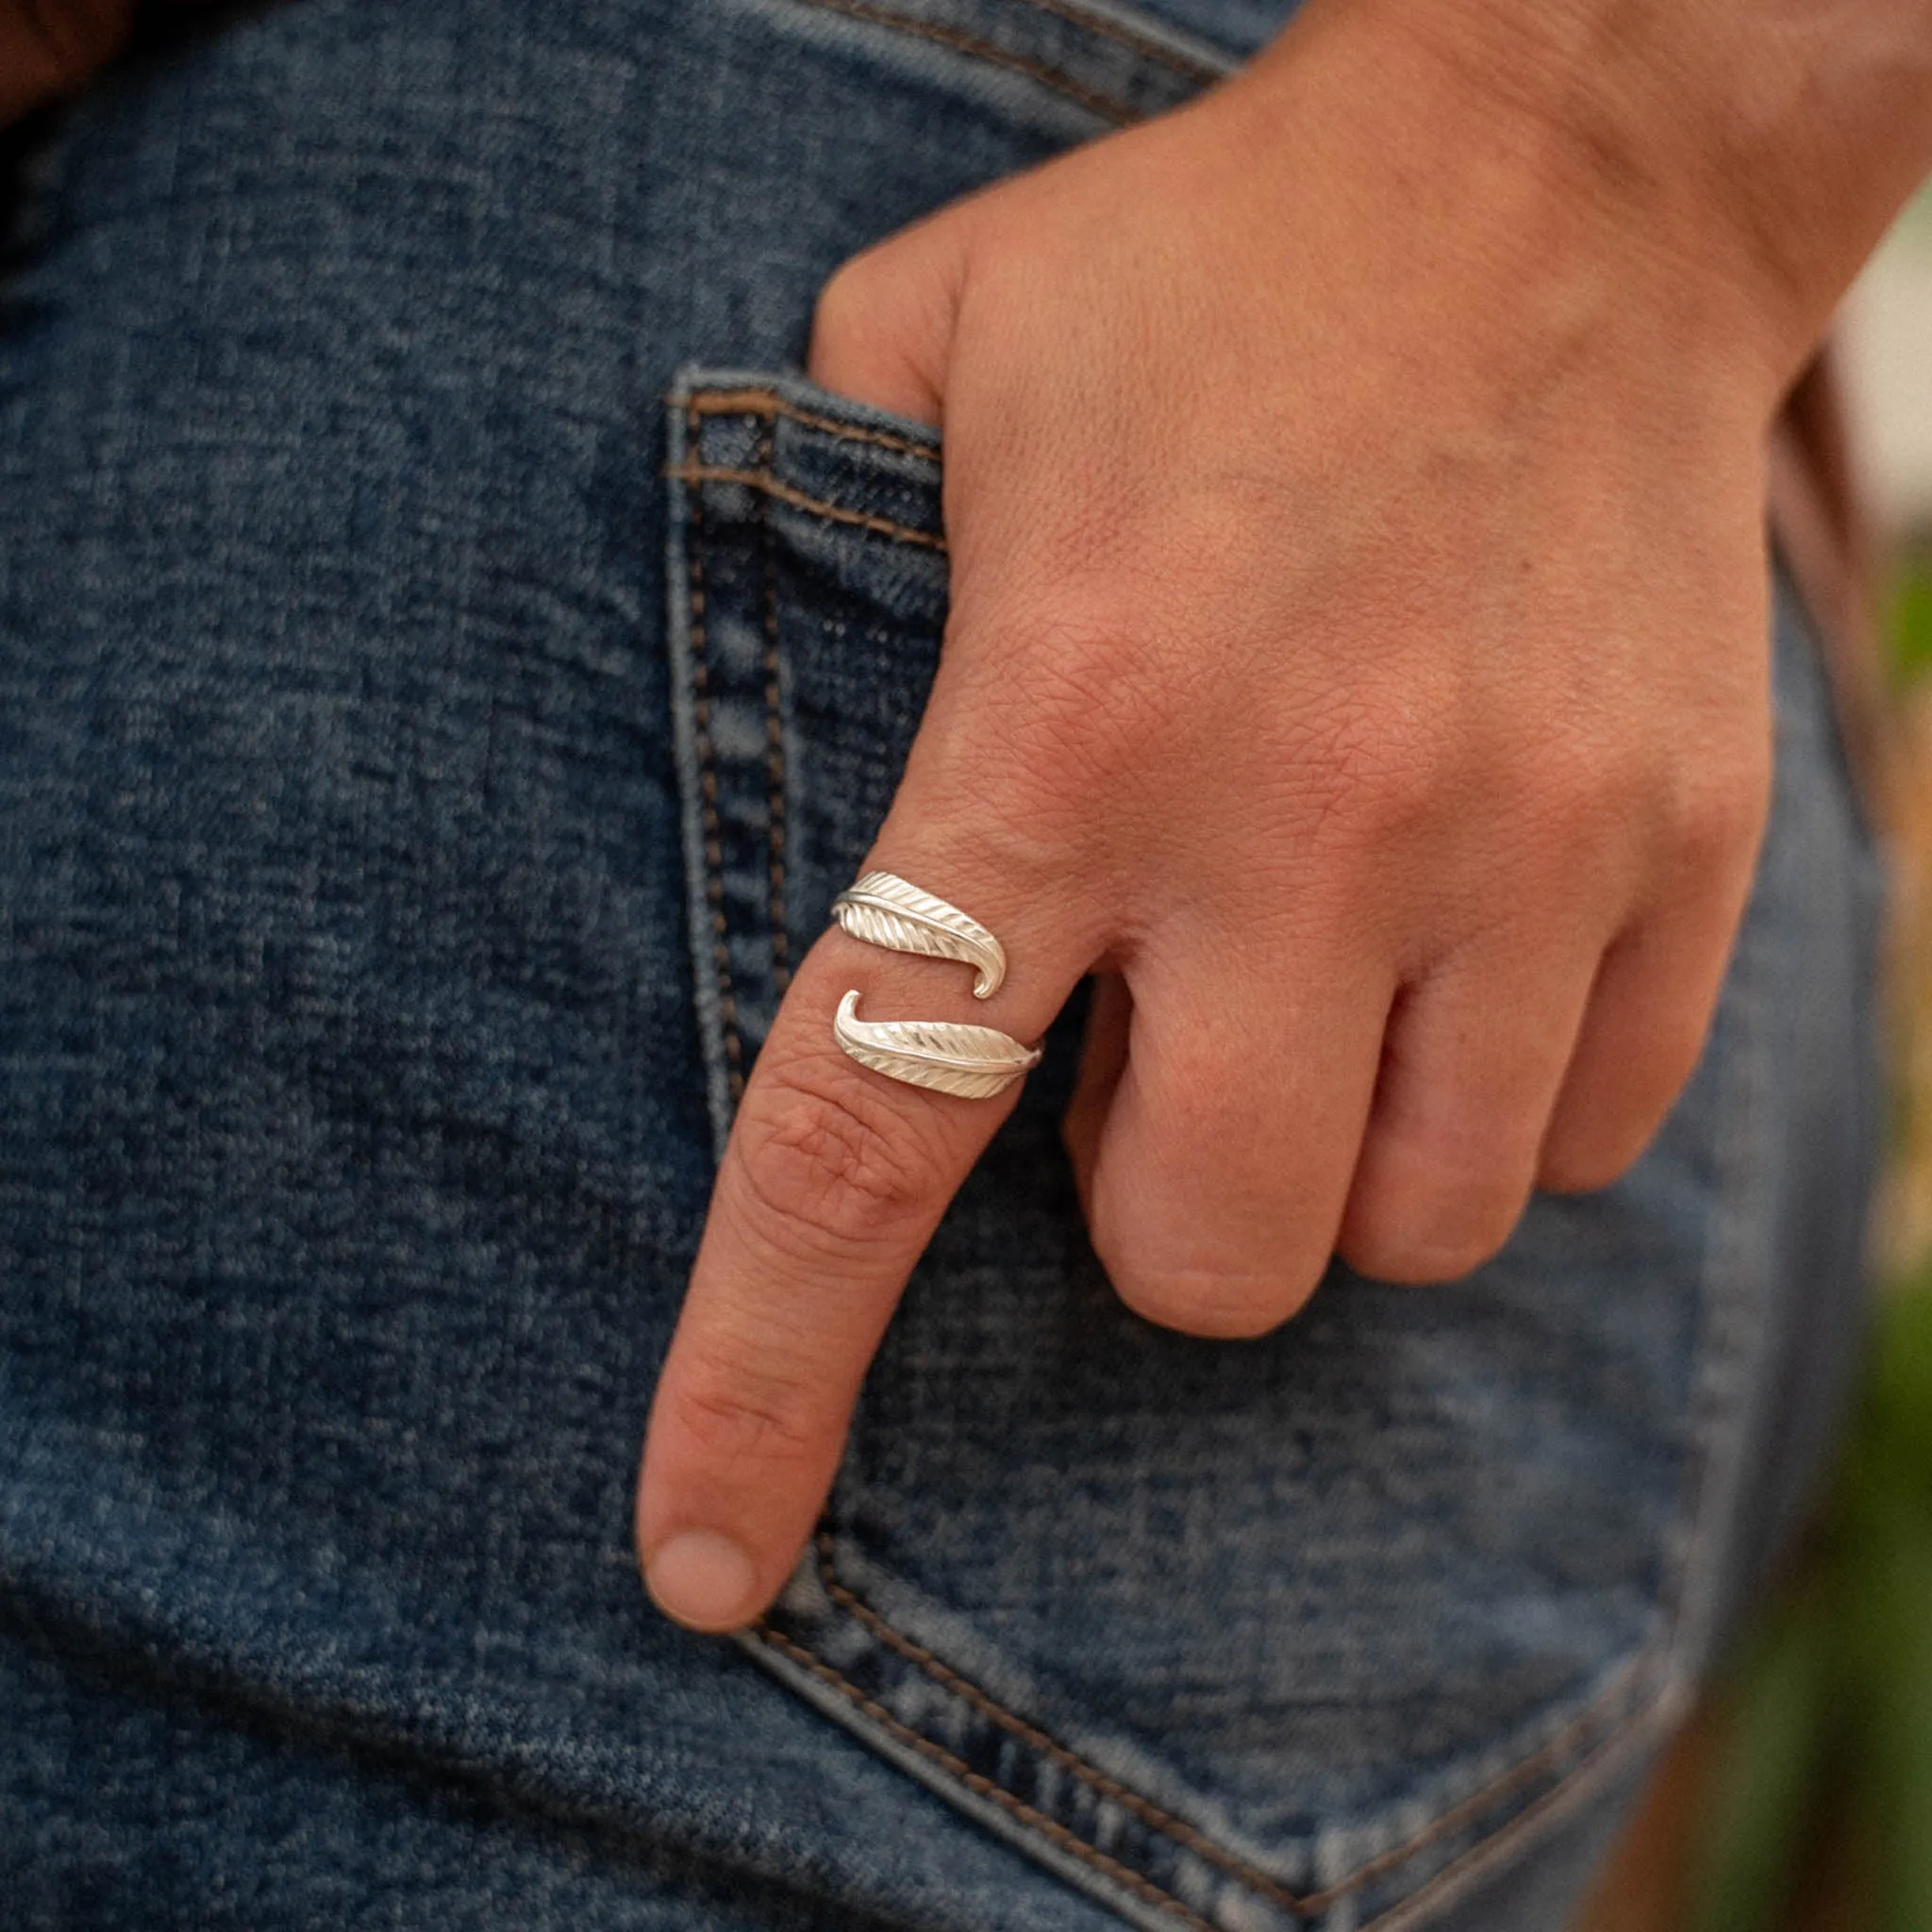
[{"x": 883, "y": 330}]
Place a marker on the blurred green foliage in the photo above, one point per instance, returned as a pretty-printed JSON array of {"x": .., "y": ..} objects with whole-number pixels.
[
  {"x": 1825, "y": 1760},
  {"x": 1819, "y": 1805},
  {"x": 1909, "y": 616}
]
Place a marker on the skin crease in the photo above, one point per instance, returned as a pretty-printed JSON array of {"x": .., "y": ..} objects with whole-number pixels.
[
  {"x": 1354, "y": 490},
  {"x": 1355, "y": 500}
]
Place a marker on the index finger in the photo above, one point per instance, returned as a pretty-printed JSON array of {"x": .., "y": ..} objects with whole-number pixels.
[{"x": 832, "y": 1183}]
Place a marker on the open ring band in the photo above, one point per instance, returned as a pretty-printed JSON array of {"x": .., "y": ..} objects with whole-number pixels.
[
  {"x": 883, "y": 911},
  {"x": 974, "y": 1062}
]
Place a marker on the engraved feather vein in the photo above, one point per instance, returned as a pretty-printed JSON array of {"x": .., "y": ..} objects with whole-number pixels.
[
  {"x": 883, "y": 910},
  {"x": 971, "y": 1061}
]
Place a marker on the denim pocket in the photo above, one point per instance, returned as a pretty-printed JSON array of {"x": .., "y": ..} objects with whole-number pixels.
[
  {"x": 1324, "y": 1628},
  {"x": 808, "y": 594}
]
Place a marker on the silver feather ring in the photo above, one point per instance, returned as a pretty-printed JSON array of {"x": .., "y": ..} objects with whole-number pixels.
[
  {"x": 883, "y": 911},
  {"x": 975, "y": 1062}
]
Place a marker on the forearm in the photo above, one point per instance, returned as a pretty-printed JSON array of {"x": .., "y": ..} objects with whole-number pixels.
[{"x": 1759, "y": 148}]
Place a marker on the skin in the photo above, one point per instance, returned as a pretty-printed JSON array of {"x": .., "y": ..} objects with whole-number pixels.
[
  {"x": 1355, "y": 496},
  {"x": 1355, "y": 501}
]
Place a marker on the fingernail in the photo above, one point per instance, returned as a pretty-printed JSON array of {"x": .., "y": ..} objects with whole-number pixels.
[{"x": 703, "y": 1579}]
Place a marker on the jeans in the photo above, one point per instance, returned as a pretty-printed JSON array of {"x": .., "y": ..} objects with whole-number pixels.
[{"x": 449, "y": 660}]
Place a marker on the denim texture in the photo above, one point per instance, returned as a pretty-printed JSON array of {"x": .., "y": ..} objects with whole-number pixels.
[{"x": 448, "y": 663}]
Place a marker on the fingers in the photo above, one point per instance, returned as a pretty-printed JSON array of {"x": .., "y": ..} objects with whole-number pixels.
[
  {"x": 1648, "y": 1016},
  {"x": 833, "y": 1181},
  {"x": 1102, "y": 1059},
  {"x": 1229, "y": 1134},
  {"x": 883, "y": 322},
  {"x": 1474, "y": 1058},
  {"x": 50, "y": 47},
  {"x": 1658, "y": 981},
  {"x": 1217, "y": 1177}
]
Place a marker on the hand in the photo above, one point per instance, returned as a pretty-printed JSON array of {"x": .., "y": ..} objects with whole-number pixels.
[{"x": 1357, "y": 657}]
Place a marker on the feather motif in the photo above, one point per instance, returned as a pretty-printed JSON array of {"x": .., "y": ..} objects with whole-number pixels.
[
  {"x": 883, "y": 911},
  {"x": 975, "y": 1062}
]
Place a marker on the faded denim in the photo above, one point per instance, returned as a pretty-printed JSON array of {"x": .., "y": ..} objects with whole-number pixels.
[{"x": 447, "y": 667}]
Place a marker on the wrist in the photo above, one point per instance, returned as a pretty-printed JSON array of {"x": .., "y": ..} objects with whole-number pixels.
[{"x": 1734, "y": 161}]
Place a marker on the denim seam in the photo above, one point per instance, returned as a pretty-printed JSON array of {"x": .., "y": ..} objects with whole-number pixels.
[
  {"x": 1648, "y": 1687},
  {"x": 775, "y": 729},
  {"x": 759, "y": 403},
  {"x": 1620, "y": 1706},
  {"x": 1727, "y": 1276},
  {"x": 1443, "y": 1888},
  {"x": 708, "y": 791},
  {"x": 769, "y": 485},
  {"x": 1649, "y": 1702},
  {"x": 1731, "y": 1332},
  {"x": 1143, "y": 1808},
  {"x": 1050, "y": 1828},
  {"x": 1183, "y": 64},
  {"x": 1186, "y": 1835},
  {"x": 1726, "y": 1280},
  {"x": 765, "y": 405},
  {"x": 1097, "y": 105},
  {"x": 769, "y": 403}
]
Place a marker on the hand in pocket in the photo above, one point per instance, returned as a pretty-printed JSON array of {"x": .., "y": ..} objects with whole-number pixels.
[{"x": 1356, "y": 659}]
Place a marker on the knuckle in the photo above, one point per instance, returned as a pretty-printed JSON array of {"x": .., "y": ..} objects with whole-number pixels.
[
  {"x": 1572, "y": 779},
  {"x": 733, "y": 1413},
  {"x": 1078, "y": 717},
  {"x": 1371, "y": 774},
  {"x": 829, "y": 1166},
  {"x": 1570, "y": 784},
  {"x": 1705, "y": 803},
  {"x": 1087, "y": 707},
  {"x": 1570, "y": 768},
  {"x": 1721, "y": 810}
]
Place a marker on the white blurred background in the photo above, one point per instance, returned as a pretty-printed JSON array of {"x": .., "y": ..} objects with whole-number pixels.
[{"x": 1888, "y": 332}]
